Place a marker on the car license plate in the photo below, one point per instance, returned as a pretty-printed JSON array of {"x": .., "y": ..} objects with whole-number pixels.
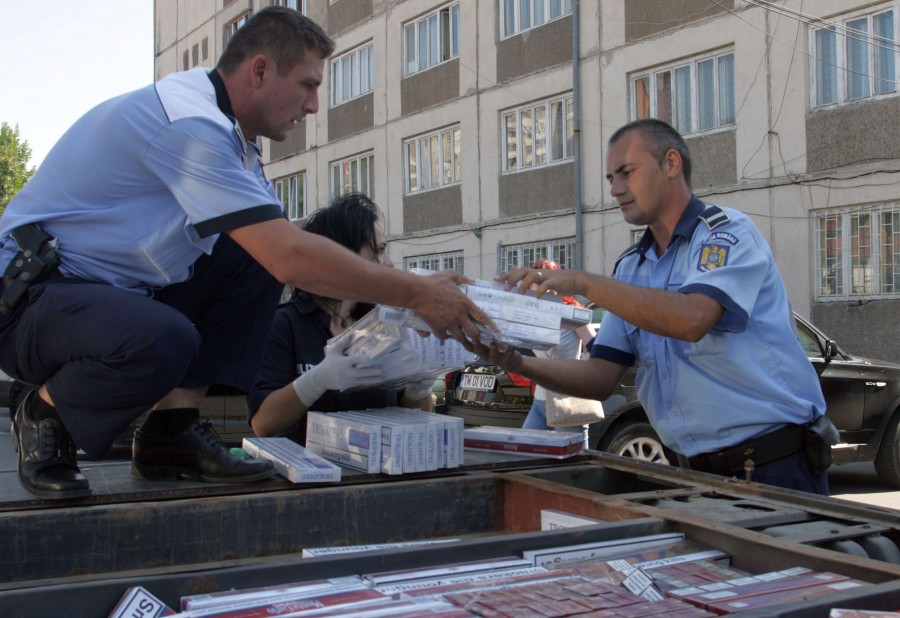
[{"x": 478, "y": 382}]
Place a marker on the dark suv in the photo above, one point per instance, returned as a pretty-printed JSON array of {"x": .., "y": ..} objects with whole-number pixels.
[{"x": 862, "y": 397}]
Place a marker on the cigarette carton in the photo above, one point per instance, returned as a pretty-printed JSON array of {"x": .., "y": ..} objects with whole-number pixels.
[
  {"x": 137, "y": 601},
  {"x": 292, "y": 461},
  {"x": 352, "y": 443}
]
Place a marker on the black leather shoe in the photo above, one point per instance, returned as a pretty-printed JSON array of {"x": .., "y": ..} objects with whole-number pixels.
[
  {"x": 48, "y": 464},
  {"x": 197, "y": 453}
]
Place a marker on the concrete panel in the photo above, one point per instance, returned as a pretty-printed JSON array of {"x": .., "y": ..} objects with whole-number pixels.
[
  {"x": 536, "y": 49},
  {"x": 295, "y": 142},
  {"x": 351, "y": 117},
  {"x": 853, "y": 134},
  {"x": 429, "y": 88},
  {"x": 437, "y": 208},
  {"x": 347, "y": 13},
  {"x": 860, "y": 328},
  {"x": 537, "y": 190},
  {"x": 714, "y": 158},
  {"x": 645, "y": 18}
]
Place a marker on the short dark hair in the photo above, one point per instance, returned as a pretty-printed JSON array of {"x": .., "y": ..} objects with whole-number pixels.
[
  {"x": 283, "y": 33},
  {"x": 661, "y": 137},
  {"x": 349, "y": 220}
]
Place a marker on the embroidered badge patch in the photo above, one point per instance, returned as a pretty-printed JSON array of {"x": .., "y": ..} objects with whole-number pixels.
[
  {"x": 712, "y": 257},
  {"x": 724, "y": 236}
]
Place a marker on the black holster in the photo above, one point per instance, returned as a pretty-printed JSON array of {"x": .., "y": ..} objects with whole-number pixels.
[
  {"x": 821, "y": 435},
  {"x": 36, "y": 260}
]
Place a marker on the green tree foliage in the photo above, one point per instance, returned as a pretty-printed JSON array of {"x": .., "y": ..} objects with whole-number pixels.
[{"x": 14, "y": 156}]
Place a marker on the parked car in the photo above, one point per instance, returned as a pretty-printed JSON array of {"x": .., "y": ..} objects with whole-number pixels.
[{"x": 862, "y": 397}]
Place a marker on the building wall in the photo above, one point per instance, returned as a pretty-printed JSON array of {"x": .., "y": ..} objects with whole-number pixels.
[{"x": 780, "y": 162}]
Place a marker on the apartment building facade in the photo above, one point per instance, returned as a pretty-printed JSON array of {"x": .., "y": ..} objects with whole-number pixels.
[{"x": 479, "y": 127}]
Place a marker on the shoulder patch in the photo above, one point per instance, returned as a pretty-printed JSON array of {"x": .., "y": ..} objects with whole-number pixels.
[
  {"x": 723, "y": 236},
  {"x": 712, "y": 257},
  {"x": 714, "y": 216}
]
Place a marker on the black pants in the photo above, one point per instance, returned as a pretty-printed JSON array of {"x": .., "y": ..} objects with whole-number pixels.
[{"x": 108, "y": 355}]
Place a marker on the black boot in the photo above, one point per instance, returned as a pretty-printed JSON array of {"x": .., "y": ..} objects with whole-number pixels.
[
  {"x": 195, "y": 452},
  {"x": 48, "y": 464}
]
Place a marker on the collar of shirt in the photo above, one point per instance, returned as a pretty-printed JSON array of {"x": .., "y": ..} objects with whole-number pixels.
[
  {"x": 224, "y": 104},
  {"x": 690, "y": 218}
]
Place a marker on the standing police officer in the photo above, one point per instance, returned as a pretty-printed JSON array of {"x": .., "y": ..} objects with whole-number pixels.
[{"x": 699, "y": 305}]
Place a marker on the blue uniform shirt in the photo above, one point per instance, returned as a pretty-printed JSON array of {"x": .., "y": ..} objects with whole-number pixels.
[
  {"x": 748, "y": 375},
  {"x": 141, "y": 185}
]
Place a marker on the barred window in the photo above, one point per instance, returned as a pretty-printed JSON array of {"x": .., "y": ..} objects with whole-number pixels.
[
  {"x": 436, "y": 261},
  {"x": 562, "y": 251},
  {"x": 858, "y": 254}
]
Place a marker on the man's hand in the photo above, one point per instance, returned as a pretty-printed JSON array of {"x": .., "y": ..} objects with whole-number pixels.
[
  {"x": 448, "y": 311},
  {"x": 566, "y": 282},
  {"x": 504, "y": 356}
]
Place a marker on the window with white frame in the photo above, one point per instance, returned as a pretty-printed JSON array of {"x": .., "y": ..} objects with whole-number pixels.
[
  {"x": 858, "y": 253},
  {"x": 436, "y": 261},
  {"x": 855, "y": 58},
  {"x": 297, "y": 5},
  {"x": 291, "y": 190},
  {"x": 538, "y": 133},
  {"x": 233, "y": 26},
  {"x": 352, "y": 175},
  {"x": 433, "y": 160},
  {"x": 562, "y": 251},
  {"x": 431, "y": 39},
  {"x": 520, "y": 15},
  {"x": 351, "y": 75},
  {"x": 692, "y": 96}
]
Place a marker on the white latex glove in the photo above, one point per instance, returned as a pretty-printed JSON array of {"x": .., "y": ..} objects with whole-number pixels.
[
  {"x": 336, "y": 372},
  {"x": 418, "y": 388}
]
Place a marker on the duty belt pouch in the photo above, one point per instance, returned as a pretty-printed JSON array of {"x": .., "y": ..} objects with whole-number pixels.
[
  {"x": 36, "y": 260},
  {"x": 820, "y": 436}
]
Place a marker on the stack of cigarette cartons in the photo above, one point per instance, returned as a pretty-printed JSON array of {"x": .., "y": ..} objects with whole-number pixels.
[
  {"x": 391, "y": 440},
  {"x": 529, "y": 442}
]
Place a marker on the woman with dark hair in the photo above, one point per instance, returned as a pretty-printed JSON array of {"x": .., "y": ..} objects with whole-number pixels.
[{"x": 296, "y": 375}]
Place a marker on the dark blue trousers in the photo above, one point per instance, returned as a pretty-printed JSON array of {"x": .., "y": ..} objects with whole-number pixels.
[{"x": 108, "y": 355}]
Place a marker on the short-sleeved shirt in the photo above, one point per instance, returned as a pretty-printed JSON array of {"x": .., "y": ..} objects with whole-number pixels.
[
  {"x": 296, "y": 343},
  {"x": 141, "y": 185},
  {"x": 749, "y": 374}
]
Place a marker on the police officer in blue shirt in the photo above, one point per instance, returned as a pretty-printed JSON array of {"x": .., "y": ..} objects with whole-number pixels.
[
  {"x": 144, "y": 260},
  {"x": 699, "y": 305}
]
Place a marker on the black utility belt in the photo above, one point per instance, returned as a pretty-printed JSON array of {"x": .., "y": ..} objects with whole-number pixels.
[{"x": 774, "y": 445}]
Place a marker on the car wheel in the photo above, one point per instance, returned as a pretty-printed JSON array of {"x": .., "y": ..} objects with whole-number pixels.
[
  {"x": 887, "y": 462},
  {"x": 637, "y": 440}
]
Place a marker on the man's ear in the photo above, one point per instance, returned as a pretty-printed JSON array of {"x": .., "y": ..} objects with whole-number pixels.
[
  {"x": 259, "y": 66},
  {"x": 672, "y": 163}
]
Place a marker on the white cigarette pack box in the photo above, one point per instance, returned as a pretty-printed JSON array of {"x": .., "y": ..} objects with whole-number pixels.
[
  {"x": 352, "y": 443},
  {"x": 434, "y": 439},
  {"x": 292, "y": 461},
  {"x": 450, "y": 436},
  {"x": 553, "y": 519},
  {"x": 396, "y": 445},
  {"x": 571, "y": 316}
]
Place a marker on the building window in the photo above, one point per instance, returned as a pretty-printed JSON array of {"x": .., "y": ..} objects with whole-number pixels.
[
  {"x": 432, "y": 39},
  {"x": 436, "y": 261},
  {"x": 433, "y": 160},
  {"x": 351, "y": 75},
  {"x": 693, "y": 96},
  {"x": 195, "y": 54},
  {"x": 562, "y": 251},
  {"x": 185, "y": 60},
  {"x": 297, "y": 5},
  {"x": 521, "y": 15},
  {"x": 858, "y": 254},
  {"x": 291, "y": 190},
  {"x": 233, "y": 26},
  {"x": 204, "y": 48},
  {"x": 538, "y": 134},
  {"x": 352, "y": 175},
  {"x": 855, "y": 58}
]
